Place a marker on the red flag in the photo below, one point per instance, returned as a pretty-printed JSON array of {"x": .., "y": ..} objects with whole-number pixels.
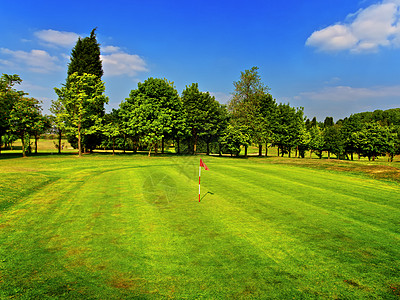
[{"x": 202, "y": 164}]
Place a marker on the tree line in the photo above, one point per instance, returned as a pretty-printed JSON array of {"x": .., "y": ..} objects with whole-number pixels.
[{"x": 155, "y": 115}]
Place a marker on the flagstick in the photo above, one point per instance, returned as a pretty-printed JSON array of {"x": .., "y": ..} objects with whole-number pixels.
[{"x": 199, "y": 181}]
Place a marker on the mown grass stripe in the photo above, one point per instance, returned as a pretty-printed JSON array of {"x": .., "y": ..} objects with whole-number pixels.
[
  {"x": 106, "y": 230},
  {"x": 336, "y": 181},
  {"x": 390, "y": 245},
  {"x": 326, "y": 197}
]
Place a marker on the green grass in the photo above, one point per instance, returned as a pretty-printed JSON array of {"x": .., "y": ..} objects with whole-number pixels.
[{"x": 128, "y": 226}]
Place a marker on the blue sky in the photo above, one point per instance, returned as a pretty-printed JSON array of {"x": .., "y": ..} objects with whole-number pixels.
[{"x": 332, "y": 57}]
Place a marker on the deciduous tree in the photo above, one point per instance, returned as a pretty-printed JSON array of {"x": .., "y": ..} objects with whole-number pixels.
[
  {"x": 374, "y": 140},
  {"x": 248, "y": 106},
  {"x": 288, "y": 128},
  {"x": 154, "y": 112},
  {"x": 204, "y": 115},
  {"x": 23, "y": 118},
  {"x": 112, "y": 127},
  {"x": 8, "y": 97},
  {"x": 81, "y": 99}
]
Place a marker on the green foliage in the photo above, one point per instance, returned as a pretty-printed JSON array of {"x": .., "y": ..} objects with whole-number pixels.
[
  {"x": 316, "y": 143},
  {"x": 248, "y": 87},
  {"x": 42, "y": 125},
  {"x": 85, "y": 57},
  {"x": 374, "y": 140},
  {"x": 154, "y": 111},
  {"x": 333, "y": 140},
  {"x": 288, "y": 127},
  {"x": 349, "y": 130},
  {"x": 252, "y": 107},
  {"x": 386, "y": 117},
  {"x": 328, "y": 122},
  {"x": 81, "y": 100},
  {"x": 24, "y": 118},
  {"x": 205, "y": 117},
  {"x": 112, "y": 127},
  {"x": 233, "y": 138},
  {"x": 8, "y": 97},
  {"x": 57, "y": 119}
]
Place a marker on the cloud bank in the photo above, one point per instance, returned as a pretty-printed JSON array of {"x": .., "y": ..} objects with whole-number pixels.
[
  {"x": 345, "y": 94},
  {"x": 117, "y": 62},
  {"x": 57, "y": 38},
  {"x": 364, "y": 31},
  {"x": 37, "y": 61}
]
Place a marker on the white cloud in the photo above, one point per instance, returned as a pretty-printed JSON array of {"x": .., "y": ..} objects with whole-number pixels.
[
  {"x": 110, "y": 49},
  {"x": 344, "y": 94},
  {"x": 336, "y": 37},
  {"x": 364, "y": 31},
  {"x": 57, "y": 38},
  {"x": 121, "y": 63},
  {"x": 28, "y": 86},
  {"x": 37, "y": 61},
  {"x": 221, "y": 97}
]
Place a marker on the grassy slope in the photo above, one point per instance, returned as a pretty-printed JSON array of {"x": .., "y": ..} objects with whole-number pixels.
[{"x": 125, "y": 226}]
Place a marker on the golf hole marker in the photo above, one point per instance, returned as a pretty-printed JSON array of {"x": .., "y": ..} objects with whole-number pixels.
[{"x": 202, "y": 165}]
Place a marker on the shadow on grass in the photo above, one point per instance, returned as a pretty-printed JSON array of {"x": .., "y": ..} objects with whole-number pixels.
[
  {"x": 11, "y": 155},
  {"x": 211, "y": 193},
  {"x": 7, "y": 154}
]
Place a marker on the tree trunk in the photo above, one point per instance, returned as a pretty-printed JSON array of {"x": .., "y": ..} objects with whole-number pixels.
[
  {"x": 113, "y": 145},
  {"x": 289, "y": 154},
  {"x": 329, "y": 155},
  {"x": 278, "y": 151},
  {"x": 162, "y": 145},
  {"x": 0, "y": 142},
  {"x": 179, "y": 147},
  {"x": 59, "y": 141},
  {"x": 79, "y": 140},
  {"x": 245, "y": 151},
  {"x": 310, "y": 153},
  {"x": 124, "y": 143},
  {"x": 351, "y": 155},
  {"x": 23, "y": 144},
  {"x": 36, "y": 141},
  {"x": 260, "y": 150},
  {"x": 150, "y": 146},
  {"x": 297, "y": 151},
  {"x": 195, "y": 141},
  {"x": 220, "y": 149},
  {"x": 266, "y": 149}
]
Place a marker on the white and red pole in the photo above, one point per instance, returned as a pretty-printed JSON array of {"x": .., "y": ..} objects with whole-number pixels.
[
  {"x": 199, "y": 181},
  {"x": 202, "y": 165}
]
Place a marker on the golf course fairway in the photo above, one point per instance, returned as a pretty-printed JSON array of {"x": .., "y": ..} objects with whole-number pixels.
[{"x": 129, "y": 226}]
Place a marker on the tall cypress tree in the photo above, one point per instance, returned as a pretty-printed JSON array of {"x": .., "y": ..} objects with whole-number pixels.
[{"x": 85, "y": 58}]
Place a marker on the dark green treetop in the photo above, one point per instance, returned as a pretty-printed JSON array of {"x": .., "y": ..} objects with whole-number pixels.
[{"x": 85, "y": 57}]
